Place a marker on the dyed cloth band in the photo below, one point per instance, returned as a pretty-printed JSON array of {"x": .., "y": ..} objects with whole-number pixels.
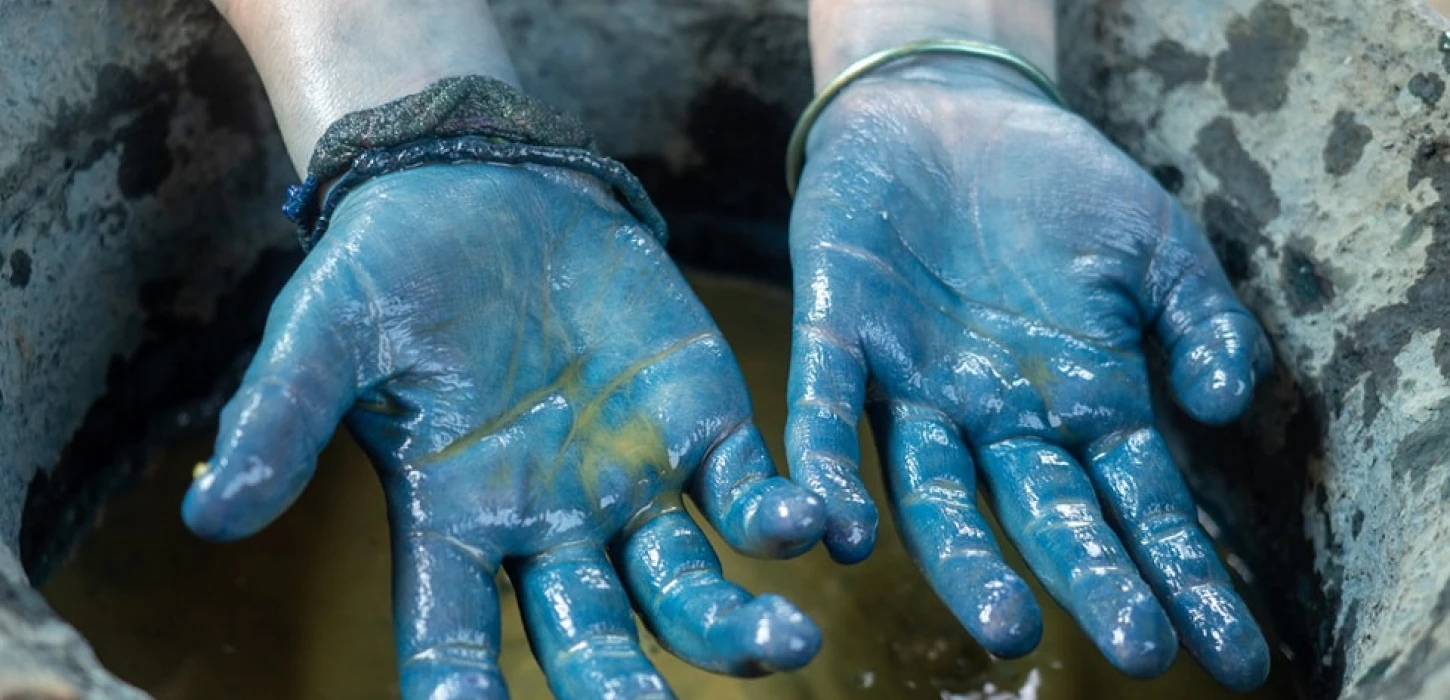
[{"x": 461, "y": 119}]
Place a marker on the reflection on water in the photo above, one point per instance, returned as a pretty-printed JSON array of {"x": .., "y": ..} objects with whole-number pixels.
[{"x": 302, "y": 611}]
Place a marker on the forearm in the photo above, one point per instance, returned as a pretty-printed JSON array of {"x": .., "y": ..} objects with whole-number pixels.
[
  {"x": 844, "y": 31},
  {"x": 321, "y": 59}
]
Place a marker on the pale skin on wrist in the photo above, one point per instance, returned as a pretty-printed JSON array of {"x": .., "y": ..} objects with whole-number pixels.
[
  {"x": 845, "y": 31},
  {"x": 321, "y": 59}
]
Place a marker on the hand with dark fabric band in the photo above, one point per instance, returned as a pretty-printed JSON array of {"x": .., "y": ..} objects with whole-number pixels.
[
  {"x": 492, "y": 314},
  {"x": 457, "y": 119}
]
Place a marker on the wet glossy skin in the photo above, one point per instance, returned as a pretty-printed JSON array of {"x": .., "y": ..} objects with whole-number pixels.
[
  {"x": 536, "y": 385},
  {"x": 977, "y": 268}
]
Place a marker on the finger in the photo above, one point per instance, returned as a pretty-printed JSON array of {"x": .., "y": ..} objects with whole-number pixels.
[
  {"x": 1144, "y": 491},
  {"x": 1217, "y": 352},
  {"x": 826, "y": 388},
  {"x": 579, "y": 625},
  {"x": 446, "y": 615},
  {"x": 675, "y": 580},
  {"x": 1047, "y": 507},
  {"x": 295, "y": 392},
  {"x": 930, "y": 479},
  {"x": 755, "y": 510},
  {"x": 1215, "y": 363}
]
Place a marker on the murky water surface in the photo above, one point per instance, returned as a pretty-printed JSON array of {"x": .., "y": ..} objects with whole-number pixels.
[{"x": 302, "y": 611}]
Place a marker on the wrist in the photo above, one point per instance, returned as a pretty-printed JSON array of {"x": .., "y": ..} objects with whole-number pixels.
[
  {"x": 845, "y": 31},
  {"x": 322, "y": 59}
]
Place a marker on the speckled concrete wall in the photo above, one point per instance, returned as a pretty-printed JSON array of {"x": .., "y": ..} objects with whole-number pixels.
[
  {"x": 134, "y": 151},
  {"x": 139, "y": 245},
  {"x": 1312, "y": 138}
]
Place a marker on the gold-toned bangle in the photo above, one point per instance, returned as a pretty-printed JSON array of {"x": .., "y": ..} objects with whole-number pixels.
[{"x": 795, "y": 154}]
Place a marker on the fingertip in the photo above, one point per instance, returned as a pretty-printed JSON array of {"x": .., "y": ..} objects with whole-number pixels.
[
  {"x": 759, "y": 512},
  {"x": 851, "y": 532},
  {"x": 1009, "y": 622},
  {"x": 1246, "y": 666},
  {"x": 201, "y": 512},
  {"x": 1128, "y": 625},
  {"x": 424, "y": 680},
  {"x": 223, "y": 506},
  {"x": 851, "y": 518},
  {"x": 208, "y": 522},
  {"x": 787, "y": 520},
  {"x": 1145, "y": 659},
  {"x": 268, "y": 439},
  {"x": 1224, "y": 637},
  {"x": 1147, "y": 650},
  {"x": 1213, "y": 384},
  {"x": 608, "y": 670},
  {"x": 991, "y": 601},
  {"x": 1214, "y": 394},
  {"x": 1216, "y": 365},
  {"x": 773, "y": 634}
]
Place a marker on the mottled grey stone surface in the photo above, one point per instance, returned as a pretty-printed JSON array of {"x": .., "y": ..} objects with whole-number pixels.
[
  {"x": 135, "y": 150},
  {"x": 140, "y": 177},
  {"x": 1312, "y": 138}
]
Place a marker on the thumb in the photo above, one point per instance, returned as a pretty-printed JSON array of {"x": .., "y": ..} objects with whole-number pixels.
[
  {"x": 298, "y": 387},
  {"x": 1217, "y": 351}
]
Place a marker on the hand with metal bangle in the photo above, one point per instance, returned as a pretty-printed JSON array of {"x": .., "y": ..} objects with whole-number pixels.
[
  {"x": 535, "y": 382},
  {"x": 982, "y": 271}
]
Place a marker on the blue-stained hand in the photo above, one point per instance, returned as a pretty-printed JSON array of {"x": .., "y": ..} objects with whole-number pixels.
[
  {"x": 536, "y": 385},
  {"x": 990, "y": 263}
]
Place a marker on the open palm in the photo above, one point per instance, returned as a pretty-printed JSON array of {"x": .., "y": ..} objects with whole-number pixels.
[
  {"x": 536, "y": 385},
  {"x": 990, "y": 263}
]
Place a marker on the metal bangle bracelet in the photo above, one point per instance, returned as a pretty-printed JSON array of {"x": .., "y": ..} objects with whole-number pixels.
[{"x": 795, "y": 155}]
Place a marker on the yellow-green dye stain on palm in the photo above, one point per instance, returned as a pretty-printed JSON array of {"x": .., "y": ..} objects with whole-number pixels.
[{"x": 302, "y": 611}]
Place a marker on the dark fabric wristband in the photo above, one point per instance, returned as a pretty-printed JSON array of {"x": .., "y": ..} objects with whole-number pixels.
[
  {"x": 460, "y": 119},
  {"x": 476, "y": 149}
]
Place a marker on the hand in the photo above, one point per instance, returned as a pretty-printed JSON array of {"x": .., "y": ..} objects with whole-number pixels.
[
  {"x": 536, "y": 385},
  {"x": 990, "y": 263}
]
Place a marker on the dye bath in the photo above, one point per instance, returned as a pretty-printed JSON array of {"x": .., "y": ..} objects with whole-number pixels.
[{"x": 302, "y": 610}]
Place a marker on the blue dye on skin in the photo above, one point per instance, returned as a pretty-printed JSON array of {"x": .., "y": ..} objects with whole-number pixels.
[
  {"x": 536, "y": 385},
  {"x": 975, "y": 268}
]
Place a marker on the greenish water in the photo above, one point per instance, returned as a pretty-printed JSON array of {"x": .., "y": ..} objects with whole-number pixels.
[{"x": 302, "y": 611}]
